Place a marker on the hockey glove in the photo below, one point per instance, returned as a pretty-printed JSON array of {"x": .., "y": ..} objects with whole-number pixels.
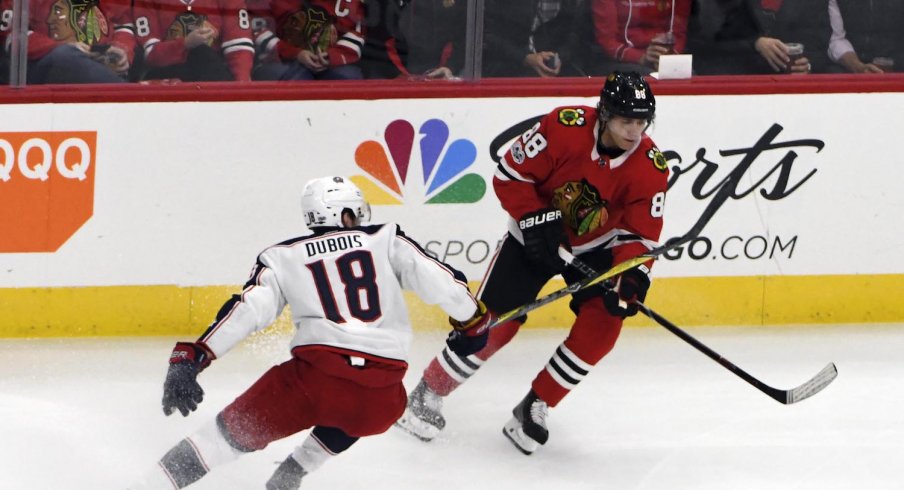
[
  {"x": 631, "y": 285},
  {"x": 181, "y": 389},
  {"x": 470, "y": 336},
  {"x": 543, "y": 234}
]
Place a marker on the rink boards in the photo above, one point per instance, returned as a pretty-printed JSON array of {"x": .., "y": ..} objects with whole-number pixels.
[{"x": 141, "y": 218}]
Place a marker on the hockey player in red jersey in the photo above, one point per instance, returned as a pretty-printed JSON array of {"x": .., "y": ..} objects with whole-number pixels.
[
  {"x": 195, "y": 40},
  {"x": 343, "y": 284},
  {"x": 76, "y": 41},
  {"x": 585, "y": 178}
]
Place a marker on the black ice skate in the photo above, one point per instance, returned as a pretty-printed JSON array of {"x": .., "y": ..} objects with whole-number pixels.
[
  {"x": 527, "y": 429},
  {"x": 423, "y": 418},
  {"x": 287, "y": 476}
]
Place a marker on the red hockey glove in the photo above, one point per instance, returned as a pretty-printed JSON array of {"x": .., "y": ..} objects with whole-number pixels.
[
  {"x": 181, "y": 389},
  {"x": 631, "y": 285},
  {"x": 543, "y": 234},
  {"x": 470, "y": 336}
]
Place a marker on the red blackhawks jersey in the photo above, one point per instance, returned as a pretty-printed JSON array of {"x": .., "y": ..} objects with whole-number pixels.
[
  {"x": 624, "y": 28},
  {"x": 331, "y": 26},
  {"x": 616, "y": 203},
  {"x": 162, "y": 24},
  {"x": 55, "y": 22}
]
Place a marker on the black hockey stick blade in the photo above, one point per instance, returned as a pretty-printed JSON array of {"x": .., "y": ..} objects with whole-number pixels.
[{"x": 811, "y": 387}]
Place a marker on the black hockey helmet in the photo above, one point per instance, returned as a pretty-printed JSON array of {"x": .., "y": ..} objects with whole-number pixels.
[{"x": 627, "y": 94}]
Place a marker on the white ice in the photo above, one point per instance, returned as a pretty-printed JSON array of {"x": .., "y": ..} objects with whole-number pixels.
[{"x": 654, "y": 414}]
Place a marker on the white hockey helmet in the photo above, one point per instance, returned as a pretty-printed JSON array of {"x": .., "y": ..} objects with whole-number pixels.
[{"x": 324, "y": 200}]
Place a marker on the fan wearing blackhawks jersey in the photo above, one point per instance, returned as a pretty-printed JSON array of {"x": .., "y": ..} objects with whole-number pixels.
[
  {"x": 343, "y": 283},
  {"x": 588, "y": 179},
  {"x": 195, "y": 40},
  {"x": 75, "y": 41},
  {"x": 310, "y": 40}
]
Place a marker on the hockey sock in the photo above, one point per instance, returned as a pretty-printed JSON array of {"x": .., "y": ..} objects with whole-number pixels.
[
  {"x": 592, "y": 336},
  {"x": 448, "y": 370},
  {"x": 194, "y": 456},
  {"x": 321, "y": 444}
]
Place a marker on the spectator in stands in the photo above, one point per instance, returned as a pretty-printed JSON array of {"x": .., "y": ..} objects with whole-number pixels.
[
  {"x": 195, "y": 40},
  {"x": 381, "y": 23},
  {"x": 312, "y": 40},
  {"x": 867, "y": 37},
  {"x": 752, "y": 37},
  {"x": 433, "y": 32},
  {"x": 545, "y": 38},
  {"x": 633, "y": 34},
  {"x": 76, "y": 41}
]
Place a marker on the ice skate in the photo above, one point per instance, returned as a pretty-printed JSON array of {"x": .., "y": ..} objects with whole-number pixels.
[
  {"x": 423, "y": 418},
  {"x": 287, "y": 476},
  {"x": 527, "y": 429}
]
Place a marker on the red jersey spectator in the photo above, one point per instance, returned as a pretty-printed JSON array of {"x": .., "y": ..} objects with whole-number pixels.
[
  {"x": 313, "y": 39},
  {"x": 195, "y": 40},
  {"x": 76, "y": 41},
  {"x": 633, "y": 34}
]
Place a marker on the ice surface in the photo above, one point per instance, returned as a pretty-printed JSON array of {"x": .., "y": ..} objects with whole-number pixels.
[{"x": 654, "y": 414}]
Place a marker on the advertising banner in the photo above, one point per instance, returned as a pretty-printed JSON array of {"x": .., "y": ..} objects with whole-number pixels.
[{"x": 187, "y": 194}]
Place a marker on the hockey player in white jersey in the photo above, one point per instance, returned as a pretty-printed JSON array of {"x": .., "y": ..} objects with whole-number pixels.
[{"x": 343, "y": 284}]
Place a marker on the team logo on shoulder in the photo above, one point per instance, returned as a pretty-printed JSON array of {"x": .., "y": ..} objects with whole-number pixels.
[
  {"x": 658, "y": 159},
  {"x": 571, "y": 117},
  {"x": 518, "y": 152}
]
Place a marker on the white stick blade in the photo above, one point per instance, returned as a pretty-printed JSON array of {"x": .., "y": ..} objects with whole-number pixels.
[{"x": 814, "y": 385}]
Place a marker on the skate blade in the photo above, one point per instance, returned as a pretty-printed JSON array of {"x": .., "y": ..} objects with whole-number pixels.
[
  {"x": 417, "y": 428},
  {"x": 513, "y": 432}
]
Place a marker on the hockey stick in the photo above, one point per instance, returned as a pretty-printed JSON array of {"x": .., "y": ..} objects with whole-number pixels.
[
  {"x": 811, "y": 387},
  {"x": 592, "y": 277}
]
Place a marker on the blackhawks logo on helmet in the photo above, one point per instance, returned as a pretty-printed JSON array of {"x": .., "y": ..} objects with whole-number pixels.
[
  {"x": 581, "y": 206},
  {"x": 658, "y": 159},
  {"x": 571, "y": 117}
]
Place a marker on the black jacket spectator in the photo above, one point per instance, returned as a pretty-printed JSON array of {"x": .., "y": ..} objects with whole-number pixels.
[
  {"x": 508, "y": 32},
  {"x": 871, "y": 30},
  {"x": 723, "y": 42}
]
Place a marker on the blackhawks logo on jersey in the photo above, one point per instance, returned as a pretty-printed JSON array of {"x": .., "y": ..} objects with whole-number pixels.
[
  {"x": 311, "y": 28},
  {"x": 581, "y": 206},
  {"x": 185, "y": 23},
  {"x": 658, "y": 159},
  {"x": 77, "y": 21},
  {"x": 571, "y": 117}
]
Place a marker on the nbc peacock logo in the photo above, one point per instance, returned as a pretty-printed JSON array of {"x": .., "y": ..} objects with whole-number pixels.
[{"x": 441, "y": 177}]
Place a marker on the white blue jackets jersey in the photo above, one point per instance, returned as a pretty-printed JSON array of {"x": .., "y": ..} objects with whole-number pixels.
[{"x": 344, "y": 288}]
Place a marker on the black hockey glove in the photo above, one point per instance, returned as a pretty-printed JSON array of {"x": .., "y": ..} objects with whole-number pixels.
[
  {"x": 631, "y": 285},
  {"x": 471, "y": 336},
  {"x": 181, "y": 389},
  {"x": 543, "y": 234}
]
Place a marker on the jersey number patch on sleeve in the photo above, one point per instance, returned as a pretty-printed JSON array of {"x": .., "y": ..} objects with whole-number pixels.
[
  {"x": 359, "y": 279},
  {"x": 657, "y": 209},
  {"x": 534, "y": 141}
]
